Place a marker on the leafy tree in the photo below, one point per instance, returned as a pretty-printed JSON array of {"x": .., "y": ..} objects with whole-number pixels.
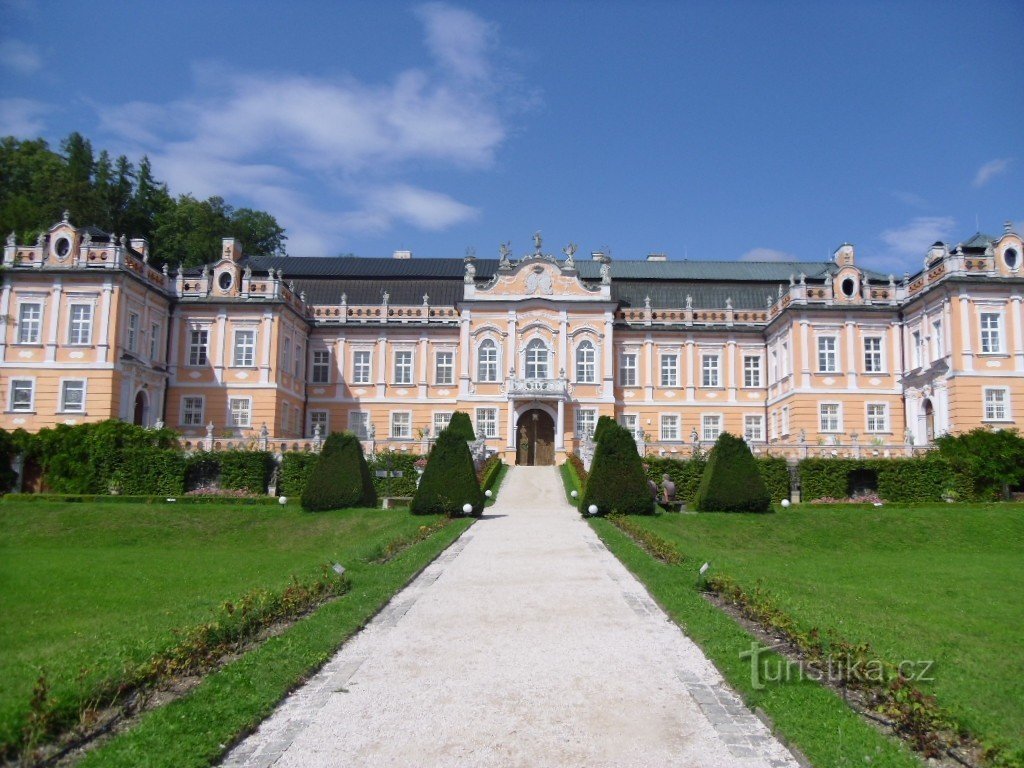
[
  {"x": 449, "y": 479},
  {"x": 731, "y": 481},
  {"x": 617, "y": 482},
  {"x": 994, "y": 459},
  {"x": 259, "y": 232}
]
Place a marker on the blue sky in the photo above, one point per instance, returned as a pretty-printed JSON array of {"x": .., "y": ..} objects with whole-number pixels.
[{"x": 703, "y": 130}]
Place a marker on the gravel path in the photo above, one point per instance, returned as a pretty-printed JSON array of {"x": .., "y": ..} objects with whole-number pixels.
[{"x": 525, "y": 644}]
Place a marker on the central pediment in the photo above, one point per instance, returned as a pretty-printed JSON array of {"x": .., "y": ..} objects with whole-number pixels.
[{"x": 537, "y": 275}]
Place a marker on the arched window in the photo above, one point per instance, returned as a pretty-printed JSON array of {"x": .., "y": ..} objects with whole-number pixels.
[
  {"x": 586, "y": 368},
  {"x": 537, "y": 360},
  {"x": 487, "y": 361}
]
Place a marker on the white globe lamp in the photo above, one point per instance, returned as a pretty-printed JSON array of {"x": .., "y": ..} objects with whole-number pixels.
[
  {"x": 282, "y": 500},
  {"x": 785, "y": 503},
  {"x": 467, "y": 508},
  {"x": 592, "y": 509}
]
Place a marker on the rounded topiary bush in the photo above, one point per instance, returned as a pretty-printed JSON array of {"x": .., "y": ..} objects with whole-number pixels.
[
  {"x": 731, "y": 481},
  {"x": 341, "y": 477},
  {"x": 617, "y": 482},
  {"x": 461, "y": 425},
  {"x": 449, "y": 479}
]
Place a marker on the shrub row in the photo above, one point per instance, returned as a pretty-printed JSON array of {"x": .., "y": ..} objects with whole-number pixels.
[
  {"x": 653, "y": 544},
  {"x": 296, "y": 467},
  {"x": 686, "y": 474},
  {"x": 85, "y": 498},
  {"x": 924, "y": 478},
  {"x": 489, "y": 472}
]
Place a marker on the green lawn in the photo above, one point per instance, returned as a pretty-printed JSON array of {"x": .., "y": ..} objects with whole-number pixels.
[
  {"x": 929, "y": 582},
  {"x": 87, "y": 588}
]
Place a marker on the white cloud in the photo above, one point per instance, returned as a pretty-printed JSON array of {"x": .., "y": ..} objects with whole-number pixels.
[
  {"x": 271, "y": 138},
  {"x": 990, "y": 170},
  {"x": 22, "y": 117},
  {"x": 19, "y": 57},
  {"x": 767, "y": 254},
  {"x": 914, "y": 238}
]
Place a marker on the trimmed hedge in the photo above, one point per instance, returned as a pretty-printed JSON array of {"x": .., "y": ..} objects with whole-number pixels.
[
  {"x": 245, "y": 470},
  {"x": 449, "y": 480},
  {"x": 617, "y": 482},
  {"x": 8, "y": 450},
  {"x": 687, "y": 473},
  {"x": 341, "y": 478},
  {"x": 149, "y": 471},
  {"x": 461, "y": 425},
  {"x": 296, "y": 469},
  {"x": 775, "y": 473},
  {"x": 922, "y": 478},
  {"x": 394, "y": 461},
  {"x": 731, "y": 480},
  {"x": 86, "y": 498},
  {"x": 489, "y": 472}
]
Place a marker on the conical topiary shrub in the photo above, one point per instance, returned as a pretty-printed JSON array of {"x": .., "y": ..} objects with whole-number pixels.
[
  {"x": 341, "y": 477},
  {"x": 449, "y": 479},
  {"x": 602, "y": 424},
  {"x": 731, "y": 481},
  {"x": 461, "y": 425},
  {"x": 617, "y": 482}
]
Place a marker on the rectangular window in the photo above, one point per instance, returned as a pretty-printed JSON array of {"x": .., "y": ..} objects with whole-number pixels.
[
  {"x": 586, "y": 420},
  {"x": 486, "y": 422},
  {"x": 669, "y": 371},
  {"x": 441, "y": 421},
  {"x": 872, "y": 354},
  {"x": 712, "y": 424},
  {"x": 30, "y": 323},
  {"x": 631, "y": 422},
  {"x": 401, "y": 425},
  {"x": 198, "y": 342},
  {"x": 829, "y": 417},
  {"x": 300, "y": 355},
  {"x": 319, "y": 419},
  {"x": 586, "y": 363},
  {"x": 487, "y": 361},
  {"x": 80, "y": 325},
  {"x": 627, "y": 369},
  {"x": 751, "y": 371},
  {"x": 995, "y": 405},
  {"x": 240, "y": 411},
  {"x": 286, "y": 354},
  {"x": 991, "y": 342},
  {"x": 154, "y": 342},
  {"x": 133, "y": 331},
  {"x": 709, "y": 370},
  {"x": 444, "y": 368},
  {"x": 22, "y": 394},
  {"x": 784, "y": 371},
  {"x": 361, "y": 366},
  {"x": 321, "y": 366},
  {"x": 753, "y": 428},
  {"x": 878, "y": 417},
  {"x": 915, "y": 349},
  {"x": 669, "y": 427},
  {"x": 403, "y": 366},
  {"x": 359, "y": 423},
  {"x": 245, "y": 348},
  {"x": 192, "y": 411},
  {"x": 72, "y": 396},
  {"x": 785, "y": 419},
  {"x": 826, "y": 354}
]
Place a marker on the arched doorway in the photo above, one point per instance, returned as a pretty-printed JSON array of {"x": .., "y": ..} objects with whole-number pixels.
[
  {"x": 141, "y": 407},
  {"x": 535, "y": 438},
  {"x": 929, "y": 422}
]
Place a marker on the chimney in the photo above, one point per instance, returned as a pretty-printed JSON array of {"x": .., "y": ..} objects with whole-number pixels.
[
  {"x": 596, "y": 255},
  {"x": 231, "y": 248},
  {"x": 657, "y": 257},
  {"x": 402, "y": 255},
  {"x": 140, "y": 245}
]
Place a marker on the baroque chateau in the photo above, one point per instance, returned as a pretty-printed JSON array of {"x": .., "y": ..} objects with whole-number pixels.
[{"x": 802, "y": 358}]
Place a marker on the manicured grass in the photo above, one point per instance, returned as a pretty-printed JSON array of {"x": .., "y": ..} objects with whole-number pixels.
[
  {"x": 496, "y": 485},
  {"x": 86, "y": 589},
  {"x": 929, "y": 582}
]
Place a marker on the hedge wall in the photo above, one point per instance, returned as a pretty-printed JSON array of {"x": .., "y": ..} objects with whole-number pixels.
[
  {"x": 394, "y": 461},
  {"x": 923, "y": 478},
  {"x": 296, "y": 467},
  {"x": 149, "y": 471},
  {"x": 686, "y": 474},
  {"x": 231, "y": 470}
]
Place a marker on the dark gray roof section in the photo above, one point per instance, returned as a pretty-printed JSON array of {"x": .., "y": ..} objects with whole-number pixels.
[
  {"x": 978, "y": 240},
  {"x": 370, "y": 268},
  {"x": 671, "y": 294},
  {"x": 441, "y": 292}
]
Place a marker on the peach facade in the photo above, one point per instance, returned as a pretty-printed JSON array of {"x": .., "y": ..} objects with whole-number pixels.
[{"x": 800, "y": 357}]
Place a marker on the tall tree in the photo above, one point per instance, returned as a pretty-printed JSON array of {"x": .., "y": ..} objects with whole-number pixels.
[{"x": 259, "y": 232}]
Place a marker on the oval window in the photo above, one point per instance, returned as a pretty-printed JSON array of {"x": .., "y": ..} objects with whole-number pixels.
[
  {"x": 849, "y": 286},
  {"x": 1010, "y": 257},
  {"x": 62, "y": 247},
  {"x": 224, "y": 281}
]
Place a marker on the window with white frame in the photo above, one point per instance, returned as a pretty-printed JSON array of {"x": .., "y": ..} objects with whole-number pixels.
[
  {"x": 401, "y": 425},
  {"x": 300, "y": 356},
  {"x": 826, "y": 354},
  {"x": 22, "y": 395},
  {"x": 441, "y": 422},
  {"x": 286, "y": 354},
  {"x": 154, "y": 342},
  {"x": 775, "y": 423},
  {"x": 872, "y": 354},
  {"x": 240, "y": 411},
  {"x": 487, "y": 422},
  {"x": 586, "y": 363},
  {"x": 877, "y": 417},
  {"x": 537, "y": 360},
  {"x": 444, "y": 368},
  {"x": 321, "y": 373},
  {"x": 709, "y": 371},
  {"x": 631, "y": 422},
  {"x": 30, "y": 322},
  {"x": 80, "y": 325},
  {"x": 403, "y": 366},
  {"x": 361, "y": 360},
  {"x": 751, "y": 370},
  {"x": 669, "y": 370},
  {"x": 784, "y": 361},
  {"x": 938, "y": 340},
  {"x": 753, "y": 428},
  {"x": 192, "y": 411},
  {"x": 198, "y": 343},
  {"x": 828, "y": 414},
  {"x": 586, "y": 421},
  {"x": 784, "y": 411},
  {"x": 359, "y": 424},
  {"x": 991, "y": 338},
  {"x": 72, "y": 396},
  {"x": 669, "y": 427},
  {"x": 245, "y": 347},
  {"x": 773, "y": 367},
  {"x": 320, "y": 419},
  {"x": 712, "y": 426},
  {"x": 133, "y": 331},
  {"x": 487, "y": 361},
  {"x": 627, "y": 369},
  {"x": 997, "y": 404},
  {"x": 915, "y": 349}
]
